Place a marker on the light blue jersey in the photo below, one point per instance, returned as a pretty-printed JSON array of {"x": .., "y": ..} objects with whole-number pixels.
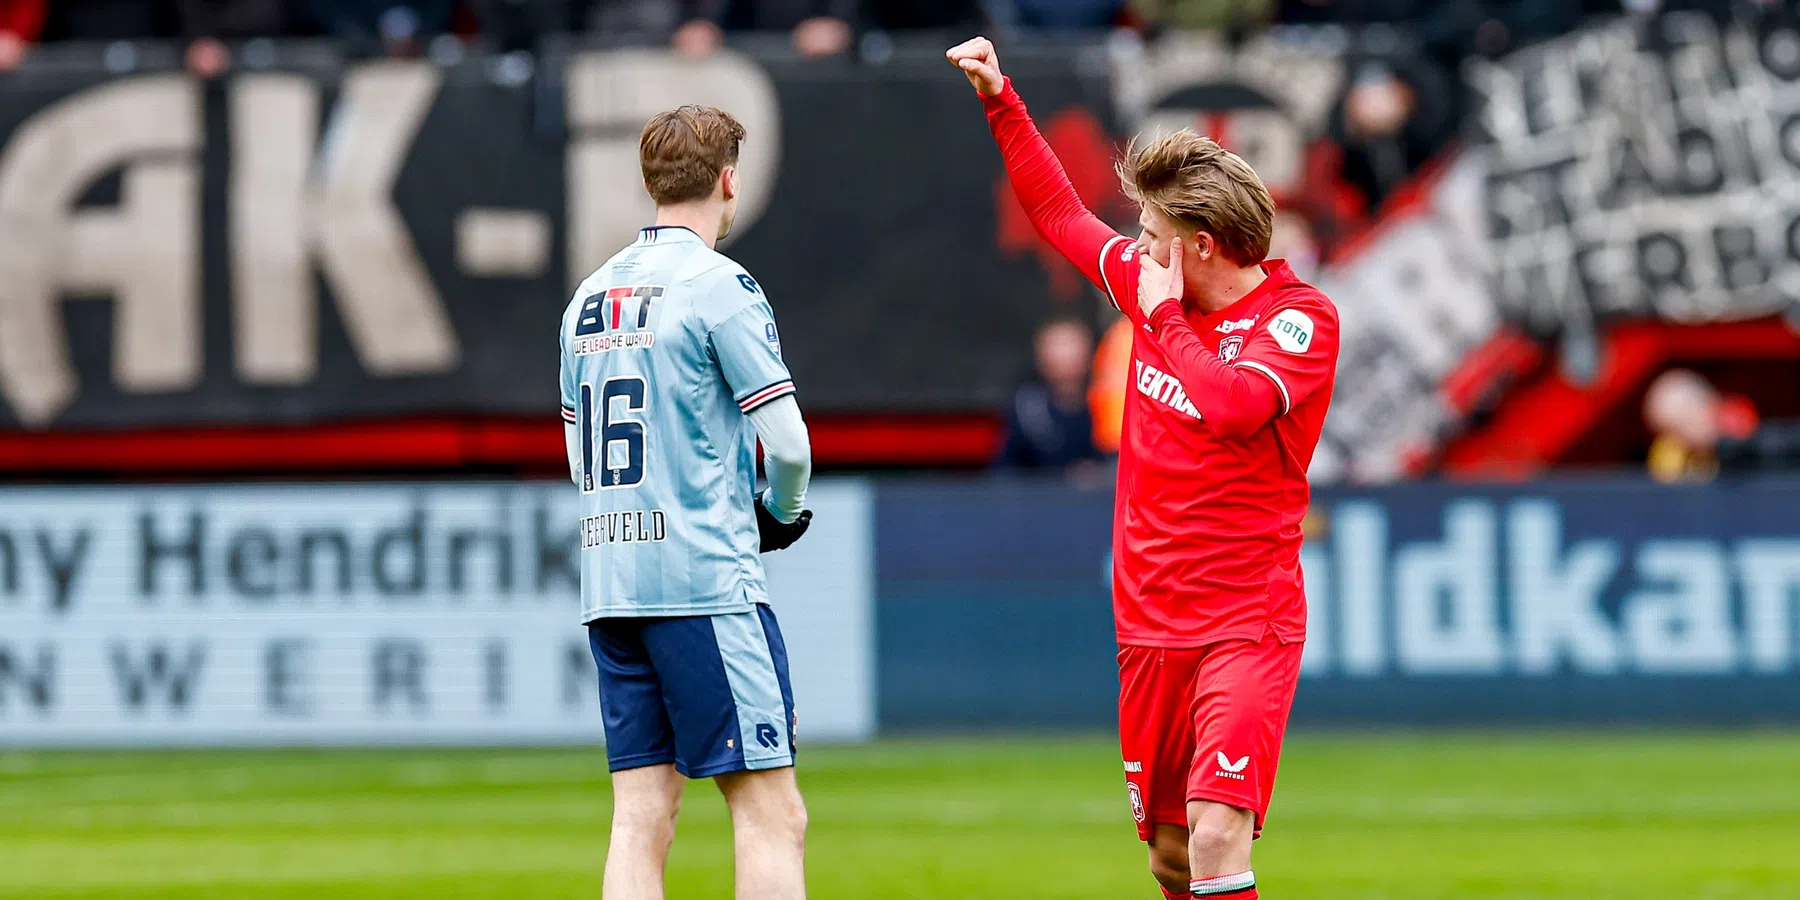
[{"x": 665, "y": 348}]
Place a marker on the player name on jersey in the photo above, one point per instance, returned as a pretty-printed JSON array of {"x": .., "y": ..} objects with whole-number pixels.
[{"x": 624, "y": 527}]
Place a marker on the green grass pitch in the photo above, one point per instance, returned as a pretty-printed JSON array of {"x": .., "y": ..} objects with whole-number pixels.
[{"x": 1521, "y": 815}]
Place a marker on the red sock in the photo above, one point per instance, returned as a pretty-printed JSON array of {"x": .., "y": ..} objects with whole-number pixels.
[{"x": 1171, "y": 895}]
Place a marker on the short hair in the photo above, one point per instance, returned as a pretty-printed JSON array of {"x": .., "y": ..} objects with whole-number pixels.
[
  {"x": 682, "y": 152},
  {"x": 1199, "y": 184}
]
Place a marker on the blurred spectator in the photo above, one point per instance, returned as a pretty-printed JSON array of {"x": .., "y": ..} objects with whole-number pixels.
[
  {"x": 1068, "y": 15},
  {"x": 21, "y": 22},
  {"x": 1293, "y": 241},
  {"x": 106, "y": 20},
  {"x": 207, "y": 24},
  {"x": 910, "y": 15},
  {"x": 1698, "y": 431},
  {"x": 1211, "y": 14},
  {"x": 233, "y": 19},
  {"x": 1047, "y": 423},
  {"x": 517, "y": 24},
  {"x": 818, "y": 27},
  {"x": 401, "y": 27},
  {"x": 1112, "y": 379},
  {"x": 1394, "y": 116},
  {"x": 1347, "y": 12},
  {"x": 1454, "y": 29}
]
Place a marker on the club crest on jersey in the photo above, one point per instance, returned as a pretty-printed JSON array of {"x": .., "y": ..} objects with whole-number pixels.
[
  {"x": 1230, "y": 347},
  {"x": 618, "y": 319},
  {"x": 1137, "y": 800},
  {"x": 1293, "y": 330}
]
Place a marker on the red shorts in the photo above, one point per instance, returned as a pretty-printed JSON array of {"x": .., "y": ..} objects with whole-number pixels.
[{"x": 1204, "y": 724}]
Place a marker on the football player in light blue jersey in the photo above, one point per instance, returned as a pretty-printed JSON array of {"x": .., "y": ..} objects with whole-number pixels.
[{"x": 671, "y": 370}]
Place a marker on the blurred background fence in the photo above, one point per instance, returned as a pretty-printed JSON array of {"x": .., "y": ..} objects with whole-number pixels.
[{"x": 276, "y": 380}]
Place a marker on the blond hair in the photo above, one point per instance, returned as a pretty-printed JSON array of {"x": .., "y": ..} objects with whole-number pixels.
[
  {"x": 682, "y": 152},
  {"x": 1200, "y": 185}
]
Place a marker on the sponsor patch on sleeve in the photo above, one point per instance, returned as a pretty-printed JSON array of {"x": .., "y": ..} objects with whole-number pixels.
[{"x": 1293, "y": 330}]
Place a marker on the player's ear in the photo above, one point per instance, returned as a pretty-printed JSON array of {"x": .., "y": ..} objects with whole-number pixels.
[
  {"x": 728, "y": 182},
  {"x": 1204, "y": 246}
]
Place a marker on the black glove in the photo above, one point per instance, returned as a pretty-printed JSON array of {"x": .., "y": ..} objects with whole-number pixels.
[{"x": 776, "y": 534}]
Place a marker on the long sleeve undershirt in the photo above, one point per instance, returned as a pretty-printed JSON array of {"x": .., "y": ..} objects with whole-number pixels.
[{"x": 787, "y": 455}]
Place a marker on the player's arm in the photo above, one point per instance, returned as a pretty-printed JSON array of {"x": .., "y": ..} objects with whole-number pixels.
[
  {"x": 570, "y": 415},
  {"x": 1037, "y": 177},
  {"x": 1233, "y": 401},
  {"x": 1294, "y": 349},
  {"x": 787, "y": 456},
  {"x": 748, "y": 349}
]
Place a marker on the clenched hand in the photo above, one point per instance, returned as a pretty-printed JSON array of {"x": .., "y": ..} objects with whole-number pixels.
[{"x": 978, "y": 61}]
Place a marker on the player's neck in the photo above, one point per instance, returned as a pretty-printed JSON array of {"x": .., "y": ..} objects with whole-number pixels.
[
  {"x": 1214, "y": 296},
  {"x": 702, "y": 219}
]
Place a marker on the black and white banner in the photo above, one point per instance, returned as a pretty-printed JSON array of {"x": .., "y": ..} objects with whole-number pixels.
[
  {"x": 1412, "y": 302},
  {"x": 429, "y": 613},
  {"x": 1645, "y": 169}
]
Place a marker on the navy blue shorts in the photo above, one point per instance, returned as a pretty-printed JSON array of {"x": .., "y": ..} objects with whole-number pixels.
[{"x": 707, "y": 693}]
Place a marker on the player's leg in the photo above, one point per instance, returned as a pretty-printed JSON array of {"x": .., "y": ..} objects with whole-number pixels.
[
  {"x": 768, "y": 816},
  {"x": 1169, "y": 859},
  {"x": 1245, "y": 690},
  {"x": 640, "y": 751},
  {"x": 645, "y": 803},
  {"x": 1218, "y": 849},
  {"x": 1156, "y": 700},
  {"x": 725, "y": 680},
  {"x": 768, "y": 829}
]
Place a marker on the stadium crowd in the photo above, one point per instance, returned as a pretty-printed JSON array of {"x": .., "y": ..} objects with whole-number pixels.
[
  {"x": 1396, "y": 112},
  {"x": 1447, "y": 28}
]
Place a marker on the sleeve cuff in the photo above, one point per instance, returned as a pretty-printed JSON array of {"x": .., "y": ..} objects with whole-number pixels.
[
  {"x": 1006, "y": 97},
  {"x": 1164, "y": 311},
  {"x": 1287, "y": 402},
  {"x": 759, "y": 397}
]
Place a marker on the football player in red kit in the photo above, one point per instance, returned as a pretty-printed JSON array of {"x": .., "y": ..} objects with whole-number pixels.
[{"x": 1232, "y": 370}]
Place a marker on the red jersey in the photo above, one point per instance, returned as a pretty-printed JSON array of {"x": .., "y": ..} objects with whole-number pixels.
[{"x": 1220, "y": 425}]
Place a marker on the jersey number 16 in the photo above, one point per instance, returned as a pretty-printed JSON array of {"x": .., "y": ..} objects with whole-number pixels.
[{"x": 621, "y": 443}]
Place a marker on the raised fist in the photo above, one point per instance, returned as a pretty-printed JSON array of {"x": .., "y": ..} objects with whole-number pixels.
[{"x": 978, "y": 61}]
